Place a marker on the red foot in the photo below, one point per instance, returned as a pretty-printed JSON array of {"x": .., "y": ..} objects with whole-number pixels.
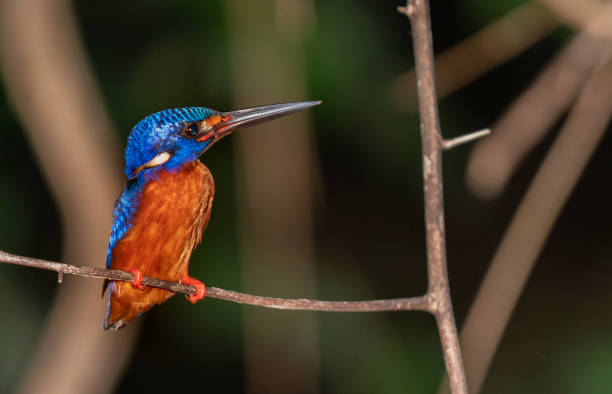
[
  {"x": 200, "y": 287},
  {"x": 137, "y": 281}
]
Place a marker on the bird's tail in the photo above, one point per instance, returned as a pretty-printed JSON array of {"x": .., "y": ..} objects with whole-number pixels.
[{"x": 115, "y": 326}]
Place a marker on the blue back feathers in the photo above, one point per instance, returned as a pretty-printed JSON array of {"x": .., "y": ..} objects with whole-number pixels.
[
  {"x": 155, "y": 134},
  {"x": 123, "y": 212}
]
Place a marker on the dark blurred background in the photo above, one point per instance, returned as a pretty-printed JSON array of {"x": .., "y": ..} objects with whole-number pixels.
[{"x": 367, "y": 208}]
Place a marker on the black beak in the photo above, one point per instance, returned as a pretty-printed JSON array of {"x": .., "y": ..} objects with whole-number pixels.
[{"x": 233, "y": 120}]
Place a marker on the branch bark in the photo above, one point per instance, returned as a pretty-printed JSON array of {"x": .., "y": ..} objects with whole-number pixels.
[
  {"x": 303, "y": 304},
  {"x": 439, "y": 289}
]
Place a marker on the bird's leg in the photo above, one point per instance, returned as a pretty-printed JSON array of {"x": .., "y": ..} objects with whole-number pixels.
[
  {"x": 200, "y": 288},
  {"x": 137, "y": 281}
]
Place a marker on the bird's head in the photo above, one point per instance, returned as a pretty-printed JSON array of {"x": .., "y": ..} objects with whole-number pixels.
[{"x": 171, "y": 138}]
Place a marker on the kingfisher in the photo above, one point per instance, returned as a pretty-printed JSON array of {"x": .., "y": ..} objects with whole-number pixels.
[{"x": 165, "y": 206}]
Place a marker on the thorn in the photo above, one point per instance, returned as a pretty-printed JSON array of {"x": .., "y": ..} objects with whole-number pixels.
[
  {"x": 408, "y": 10},
  {"x": 454, "y": 142},
  {"x": 60, "y": 275}
]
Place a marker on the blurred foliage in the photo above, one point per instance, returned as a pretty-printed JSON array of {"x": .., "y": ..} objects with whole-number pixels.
[{"x": 150, "y": 55}]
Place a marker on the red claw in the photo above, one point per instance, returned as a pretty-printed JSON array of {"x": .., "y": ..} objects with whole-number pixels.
[
  {"x": 200, "y": 287},
  {"x": 137, "y": 281}
]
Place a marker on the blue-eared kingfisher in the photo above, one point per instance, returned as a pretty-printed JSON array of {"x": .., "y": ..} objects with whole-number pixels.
[{"x": 159, "y": 217}]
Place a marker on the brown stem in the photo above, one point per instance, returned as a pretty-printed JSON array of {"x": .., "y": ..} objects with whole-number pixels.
[
  {"x": 395, "y": 304},
  {"x": 439, "y": 289}
]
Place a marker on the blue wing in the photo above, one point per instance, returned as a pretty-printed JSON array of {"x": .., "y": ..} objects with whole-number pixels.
[{"x": 123, "y": 213}]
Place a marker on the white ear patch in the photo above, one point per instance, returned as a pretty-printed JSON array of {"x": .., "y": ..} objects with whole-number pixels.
[{"x": 158, "y": 160}]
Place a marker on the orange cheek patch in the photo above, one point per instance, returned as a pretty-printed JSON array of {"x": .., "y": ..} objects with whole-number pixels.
[{"x": 214, "y": 120}]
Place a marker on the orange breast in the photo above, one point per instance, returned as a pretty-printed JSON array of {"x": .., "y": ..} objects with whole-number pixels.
[{"x": 168, "y": 224}]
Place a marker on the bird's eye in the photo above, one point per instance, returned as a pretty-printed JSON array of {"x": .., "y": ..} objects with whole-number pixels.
[{"x": 191, "y": 130}]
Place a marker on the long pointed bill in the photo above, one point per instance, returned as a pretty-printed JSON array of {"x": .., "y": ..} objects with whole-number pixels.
[{"x": 230, "y": 121}]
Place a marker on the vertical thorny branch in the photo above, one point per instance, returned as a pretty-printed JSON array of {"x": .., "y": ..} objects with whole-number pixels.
[{"x": 438, "y": 292}]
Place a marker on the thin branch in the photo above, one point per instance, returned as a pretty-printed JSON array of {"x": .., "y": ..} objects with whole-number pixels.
[
  {"x": 395, "y": 304},
  {"x": 439, "y": 288},
  {"x": 454, "y": 142}
]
